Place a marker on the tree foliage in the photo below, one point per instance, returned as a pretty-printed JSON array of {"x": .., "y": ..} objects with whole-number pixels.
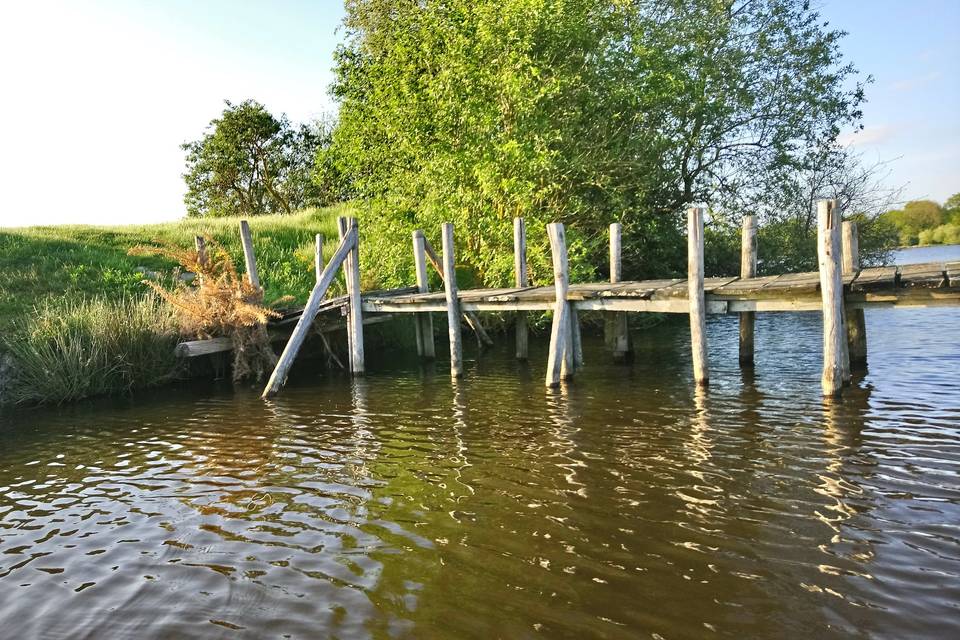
[
  {"x": 579, "y": 111},
  {"x": 785, "y": 198},
  {"x": 250, "y": 162},
  {"x": 926, "y": 222}
]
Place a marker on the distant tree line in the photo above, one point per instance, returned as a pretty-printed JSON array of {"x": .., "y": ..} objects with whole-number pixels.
[
  {"x": 579, "y": 111},
  {"x": 927, "y": 222}
]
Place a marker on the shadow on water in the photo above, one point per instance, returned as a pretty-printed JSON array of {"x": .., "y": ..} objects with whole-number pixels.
[{"x": 625, "y": 503}]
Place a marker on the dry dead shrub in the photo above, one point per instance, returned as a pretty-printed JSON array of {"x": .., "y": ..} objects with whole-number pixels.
[{"x": 219, "y": 302}]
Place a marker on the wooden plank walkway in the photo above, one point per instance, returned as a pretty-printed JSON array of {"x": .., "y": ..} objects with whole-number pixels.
[
  {"x": 911, "y": 285},
  {"x": 840, "y": 290}
]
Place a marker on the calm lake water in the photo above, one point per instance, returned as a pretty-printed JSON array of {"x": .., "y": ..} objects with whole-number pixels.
[{"x": 624, "y": 505}]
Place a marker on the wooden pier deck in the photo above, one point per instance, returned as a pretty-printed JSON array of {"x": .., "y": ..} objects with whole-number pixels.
[
  {"x": 840, "y": 290},
  {"x": 921, "y": 285}
]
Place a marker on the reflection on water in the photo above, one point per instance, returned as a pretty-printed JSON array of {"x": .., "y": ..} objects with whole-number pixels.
[{"x": 625, "y": 504}]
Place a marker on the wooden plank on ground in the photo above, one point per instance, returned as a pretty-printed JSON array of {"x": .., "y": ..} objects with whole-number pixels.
[
  {"x": 538, "y": 294},
  {"x": 712, "y": 284},
  {"x": 509, "y": 295},
  {"x": 478, "y": 295},
  {"x": 794, "y": 283},
  {"x": 412, "y": 297},
  {"x": 585, "y": 291}
]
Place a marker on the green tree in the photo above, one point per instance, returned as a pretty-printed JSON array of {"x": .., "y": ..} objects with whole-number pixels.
[
  {"x": 578, "y": 111},
  {"x": 923, "y": 214},
  {"x": 916, "y": 216},
  {"x": 250, "y": 162},
  {"x": 951, "y": 210},
  {"x": 785, "y": 202}
]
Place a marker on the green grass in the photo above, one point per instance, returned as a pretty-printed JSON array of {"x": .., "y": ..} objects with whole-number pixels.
[
  {"x": 67, "y": 349},
  {"x": 40, "y": 263}
]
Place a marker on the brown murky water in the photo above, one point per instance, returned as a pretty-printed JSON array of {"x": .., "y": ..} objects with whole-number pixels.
[{"x": 398, "y": 505}]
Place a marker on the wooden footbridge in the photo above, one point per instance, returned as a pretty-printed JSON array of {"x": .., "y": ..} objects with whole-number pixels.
[{"x": 840, "y": 290}]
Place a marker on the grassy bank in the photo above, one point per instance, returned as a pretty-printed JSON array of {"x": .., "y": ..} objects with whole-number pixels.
[
  {"x": 67, "y": 349},
  {"x": 76, "y": 319},
  {"x": 39, "y": 263}
]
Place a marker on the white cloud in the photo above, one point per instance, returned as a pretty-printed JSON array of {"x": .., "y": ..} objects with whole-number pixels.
[
  {"x": 916, "y": 82},
  {"x": 873, "y": 134}
]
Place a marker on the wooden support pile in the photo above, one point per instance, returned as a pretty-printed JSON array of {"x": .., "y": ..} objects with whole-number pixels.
[
  {"x": 453, "y": 305},
  {"x": 521, "y": 281},
  {"x": 560, "y": 359},
  {"x": 835, "y": 362},
  {"x": 698, "y": 308},
  {"x": 617, "y": 326},
  {"x": 424, "y": 321},
  {"x": 249, "y": 257},
  {"x": 424, "y": 252},
  {"x": 351, "y": 272},
  {"x": 346, "y": 249},
  {"x": 748, "y": 269},
  {"x": 844, "y": 331},
  {"x": 856, "y": 323}
]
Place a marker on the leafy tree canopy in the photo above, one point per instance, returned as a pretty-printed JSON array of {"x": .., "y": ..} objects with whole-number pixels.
[
  {"x": 926, "y": 222},
  {"x": 579, "y": 111},
  {"x": 250, "y": 162}
]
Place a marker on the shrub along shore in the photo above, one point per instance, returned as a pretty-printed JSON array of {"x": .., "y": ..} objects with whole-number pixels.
[{"x": 77, "y": 320}]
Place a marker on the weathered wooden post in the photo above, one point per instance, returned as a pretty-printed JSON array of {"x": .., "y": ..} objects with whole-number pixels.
[
  {"x": 856, "y": 323},
  {"x": 318, "y": 255},
  {"x": 249, "y": 257},
  {"x": 424, "y": 321},
  {"x": 279, "y": 376},
  {"x": 520, "y": 279},
  {"x": 318, "y": 267},
  {"x": 616, "y": 325},
  {"x": 201, "y": 246},
  {"x": 698, "y": 310},
  {"x": 831, "y": 291},
  {"x": 748, "y": 269},
  {"x": 453, "y": 304},
  {"x": 576, "y": 341},
  {"x": 559, "y": 361},
  {"x": 470, "y": 316},
  {"x": 351, "y": 270}
]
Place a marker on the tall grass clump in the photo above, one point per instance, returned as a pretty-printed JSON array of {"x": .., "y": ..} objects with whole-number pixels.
[
  {"x": 220, "y": 302},
  {"x": 71, "y": 348}
]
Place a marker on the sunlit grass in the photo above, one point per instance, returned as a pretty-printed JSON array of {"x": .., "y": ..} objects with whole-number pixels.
[
  {"x": 37, "y": 263},
  {"x": 70, "y": 348}
]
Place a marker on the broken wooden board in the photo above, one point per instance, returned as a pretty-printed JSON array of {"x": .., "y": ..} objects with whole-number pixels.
[
  {"x": 196, "y": 348},
  {"x": 930, "y": 276},
  {"x": 744, "y": 286},
  {"x": 680, "y": 289},
  {"x": 639, "y": 289},
  {"x": 875, "y": 279},
  {"x": 953, "y": 274}
]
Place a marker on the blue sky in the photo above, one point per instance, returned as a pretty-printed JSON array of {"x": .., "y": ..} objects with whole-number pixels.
[
  {"x": 97, "y": 95},
  {"x": 912, "y": 116}
]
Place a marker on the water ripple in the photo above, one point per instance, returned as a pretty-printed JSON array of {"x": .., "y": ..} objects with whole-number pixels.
[{"x": 625, "y": 504}]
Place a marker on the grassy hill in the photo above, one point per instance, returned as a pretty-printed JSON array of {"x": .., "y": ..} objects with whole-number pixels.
[
  {"x": 76, "y": 319},
  {"x": 38, "y": 263}
]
